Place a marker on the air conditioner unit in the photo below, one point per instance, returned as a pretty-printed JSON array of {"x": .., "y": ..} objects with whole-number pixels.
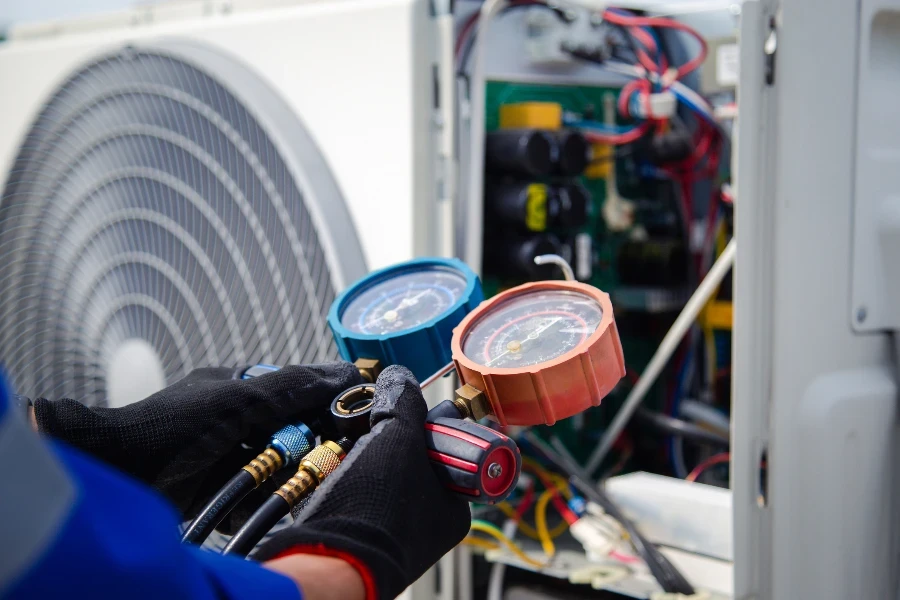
[{"x": 191, "y": 184}]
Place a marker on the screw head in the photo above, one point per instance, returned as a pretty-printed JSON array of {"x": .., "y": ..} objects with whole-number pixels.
[
  {"x": 494, "y": 470},
  {"x": 861, "y": 314}
]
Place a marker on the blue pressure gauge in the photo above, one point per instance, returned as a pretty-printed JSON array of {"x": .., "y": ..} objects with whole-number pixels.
[{"x": 405, "y": 314}]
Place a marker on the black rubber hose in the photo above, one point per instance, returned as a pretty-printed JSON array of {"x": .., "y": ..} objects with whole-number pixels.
[
  {"x": 257, "y": 526},
  {"x": 218, "y": 508},
  {"x": 688, "y": 431}
]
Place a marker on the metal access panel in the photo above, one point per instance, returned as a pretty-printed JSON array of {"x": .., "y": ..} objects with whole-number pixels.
[{"x": 815, "y": 397}]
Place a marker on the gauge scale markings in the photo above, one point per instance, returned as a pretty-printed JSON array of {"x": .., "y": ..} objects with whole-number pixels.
[
  {"x": 404, "y": 301},
  {"x": 532, "y": 328}
]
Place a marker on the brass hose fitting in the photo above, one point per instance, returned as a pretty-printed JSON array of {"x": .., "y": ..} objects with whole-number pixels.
[
  {"x": 318, "y": 464},
  {"x": 472, "y": 403},
  {"x": 261, "y": 468},
  {"x": 369, "y": 368}
]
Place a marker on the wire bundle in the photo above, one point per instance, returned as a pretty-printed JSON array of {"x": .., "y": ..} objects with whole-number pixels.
[{"x": 556, "y": 490}]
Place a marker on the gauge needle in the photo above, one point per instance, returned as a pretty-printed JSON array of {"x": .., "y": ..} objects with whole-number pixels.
[
  {"x": 410, "y": 301},
  {"x": 531, "y": 336},
  {"x": 534, "y": 334},
  {"x": 392, "y": 314}
]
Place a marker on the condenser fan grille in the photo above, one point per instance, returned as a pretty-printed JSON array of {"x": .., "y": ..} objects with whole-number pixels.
[{"x": 147, "y": 202}]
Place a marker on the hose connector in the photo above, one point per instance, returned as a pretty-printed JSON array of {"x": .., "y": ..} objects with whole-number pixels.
[
  {"x": 267, "y": 462},
  {"x": 287, "y": 447},
  {"x": 314, "y": 468},
  {"x": 293, "y": 442}
]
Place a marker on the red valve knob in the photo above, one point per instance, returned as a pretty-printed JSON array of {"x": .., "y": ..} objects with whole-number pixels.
[{"x": 478, "y": 463}]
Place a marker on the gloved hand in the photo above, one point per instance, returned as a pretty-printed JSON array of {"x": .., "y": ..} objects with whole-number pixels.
[
  {"x": 186, "y": 440},
  {"x": 383, "y": 510}
]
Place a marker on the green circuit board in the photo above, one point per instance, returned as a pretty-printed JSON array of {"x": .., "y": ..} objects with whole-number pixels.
[{"x": 640, "y": 332}]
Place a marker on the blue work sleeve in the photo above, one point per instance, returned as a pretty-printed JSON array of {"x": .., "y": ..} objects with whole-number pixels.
[{"x": 120, "y": 540}]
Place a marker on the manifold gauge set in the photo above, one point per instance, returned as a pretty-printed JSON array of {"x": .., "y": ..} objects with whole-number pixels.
[{"x": 531, "y": 355}]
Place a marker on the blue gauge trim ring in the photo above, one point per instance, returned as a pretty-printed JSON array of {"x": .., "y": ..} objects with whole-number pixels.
[{"x": 425, "y": 348}]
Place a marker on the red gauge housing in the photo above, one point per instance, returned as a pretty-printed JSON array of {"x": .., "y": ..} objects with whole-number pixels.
[{"x": 543, "y": 393}]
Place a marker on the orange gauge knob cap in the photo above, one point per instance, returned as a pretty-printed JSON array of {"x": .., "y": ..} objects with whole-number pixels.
[{"x": 541, "y": 351}]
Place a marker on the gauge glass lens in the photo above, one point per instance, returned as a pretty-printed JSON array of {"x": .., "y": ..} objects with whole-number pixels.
[
  {"x": 532, "y": 328},
  {"x": 401, "y": 302}
]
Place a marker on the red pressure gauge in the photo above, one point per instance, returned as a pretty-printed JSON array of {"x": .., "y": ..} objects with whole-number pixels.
[{"x": 540, "y": 352}]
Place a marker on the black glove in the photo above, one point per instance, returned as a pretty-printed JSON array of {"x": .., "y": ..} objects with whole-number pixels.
[
  {"x": 383, "y": 510},
  {"x": 186, "y": 440}
]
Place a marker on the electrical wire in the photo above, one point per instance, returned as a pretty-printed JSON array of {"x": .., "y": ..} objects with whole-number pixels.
[
  {"x": 480, "y": 543},
  {"x": 491, "y": 530},
  {"x": 631, "y": 135},
  {"x": 705, "y": 414},
  {"x": 716, "y": 459},
  {"x": 676, "y": 443},
  {"x": 527, "y": 529},
  {"x": 552, "y": 481},
  {"x": 516, "y": 515},
  {"x": 540, "y": 521},
  {"x": 677, "y": 427},
  {"x": 661, "y": 22},
  {"x": 663, "y": 353},
  {"x": 669, "y": 577}
]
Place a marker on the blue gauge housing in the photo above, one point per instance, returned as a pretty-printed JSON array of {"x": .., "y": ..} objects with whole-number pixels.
[{"x": 424, "y": 348}]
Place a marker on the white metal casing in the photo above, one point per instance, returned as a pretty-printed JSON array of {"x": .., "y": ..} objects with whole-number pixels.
[
  {"x": 813, "y": 397},
  {"x": 357, "y": 73}
]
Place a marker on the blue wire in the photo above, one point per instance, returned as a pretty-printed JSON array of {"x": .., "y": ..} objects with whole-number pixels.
[
  {"x": 652, "y": 33},
  {"x": 696, "y": 109},
  {"x": 676, "y": 405}
]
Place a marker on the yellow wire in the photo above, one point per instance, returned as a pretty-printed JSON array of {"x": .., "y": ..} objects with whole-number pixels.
[
  {"x": 560, "y": 482},
  {"x": 527, "y": 529},
  {"x": 480, "y": 543},
  {"x": 485, "y": 527},
  {"x": 540, "y": 521}
]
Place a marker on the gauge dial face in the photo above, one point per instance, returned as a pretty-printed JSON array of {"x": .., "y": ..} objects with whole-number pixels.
[
  {"x": 532, "y": 328},
  {"x": 402, "y": 302}
]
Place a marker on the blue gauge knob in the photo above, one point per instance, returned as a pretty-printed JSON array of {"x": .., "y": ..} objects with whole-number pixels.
[{"x": 405, "y": 314}]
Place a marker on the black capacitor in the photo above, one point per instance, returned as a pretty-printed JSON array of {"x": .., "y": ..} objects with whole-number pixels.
[
  {"x": 527, "y": 206},
  {"x": 524, "y": 152},
  {"x": 514, "y": 257},
  {"x": 574, "y": 205},
  {"x": 653, "y": 263},
  {"x": 572, "y": 151}
]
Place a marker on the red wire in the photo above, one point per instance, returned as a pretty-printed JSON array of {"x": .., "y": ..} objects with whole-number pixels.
[
  {"x": 560, "y": 504},
  {"x": 713, "y": 213},
  {"x": 526, "y": 503},
  {"x": 648, "y": 42},
  {"x": 620, "y": 138},
  {"x": 464, "y": 32},
  {"x": 709, "y": 462},
  {"x": 641, "y": 86},
  {"x": 636, "y": 21}
]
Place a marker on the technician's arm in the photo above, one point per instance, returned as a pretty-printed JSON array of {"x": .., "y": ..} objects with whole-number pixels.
[
  {"x": 83, "y": 529},
  {"x": 321, "y": 577}
]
